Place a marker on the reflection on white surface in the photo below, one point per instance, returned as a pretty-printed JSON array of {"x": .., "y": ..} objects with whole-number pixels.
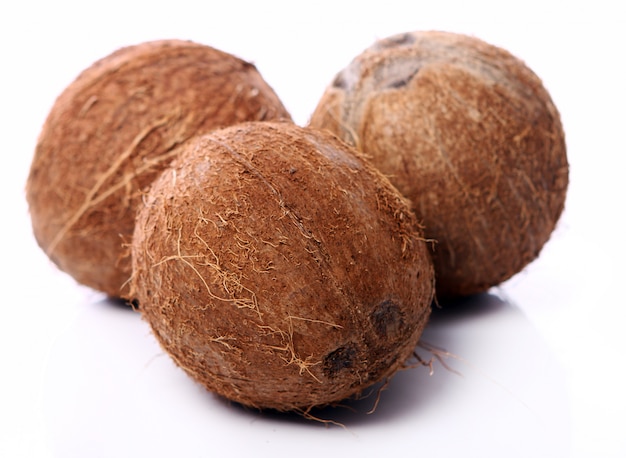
[{"x": 111, "y": 392}]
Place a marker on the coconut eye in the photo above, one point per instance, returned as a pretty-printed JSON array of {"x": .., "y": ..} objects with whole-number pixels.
[
  {"x": 397, "y": 41},
  {"x": 338, "y": 360},
  {"x": 340, "y": 81},
  {"x": 399, "y": 83},
  {"x": 395, "y": 74},
  {"x": 387, "y": 319}
]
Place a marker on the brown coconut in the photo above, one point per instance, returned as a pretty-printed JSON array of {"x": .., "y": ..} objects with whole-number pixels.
[
  {"x": 113, "y": 130},
  {"x": 469, "y": 134},
  {"x": 279, "y": 269}
]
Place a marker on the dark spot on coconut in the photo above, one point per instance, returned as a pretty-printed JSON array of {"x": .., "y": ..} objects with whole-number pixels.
[
  {"x": 387, "y": 319},
  {"x": 292, "y": 170},
  {"x": 399, "y": 83},
  {"x": 338, "y": 360},
  {"x": 340, "y": 81},
  {"x": 397, "y": 41}
]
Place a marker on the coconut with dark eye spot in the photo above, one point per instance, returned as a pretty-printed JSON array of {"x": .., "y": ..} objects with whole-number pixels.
[
  {"x": 279, "y": 268},
  {"x": 110, "y": 133},
  {"x": 470, "y": 135}
]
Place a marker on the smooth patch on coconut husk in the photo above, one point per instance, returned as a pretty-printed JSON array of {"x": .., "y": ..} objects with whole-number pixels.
[
  {"x": 469, "y": 134},
  {"x": 113, "y": 130},
  {"x": 279, "y": 269}
]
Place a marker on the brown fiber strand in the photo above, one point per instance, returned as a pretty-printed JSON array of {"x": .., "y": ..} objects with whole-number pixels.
[
  {"x": 109, "y": 173},
  {"x": 247, "y": 303}
]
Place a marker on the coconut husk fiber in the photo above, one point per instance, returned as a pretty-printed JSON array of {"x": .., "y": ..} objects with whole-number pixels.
[
  {"x": 470, "y": 135},
  {"x": 279, "y": 269},
  {"x": 109, "y": 134}
]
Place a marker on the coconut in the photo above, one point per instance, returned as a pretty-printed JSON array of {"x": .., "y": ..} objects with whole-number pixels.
[
  {"x": 279, "y": 269},
  {"x": 109, "y": 134},
  {"x": 470, "y": 135}
]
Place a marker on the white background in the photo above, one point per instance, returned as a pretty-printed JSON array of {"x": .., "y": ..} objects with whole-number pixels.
[{"x": 540, "y": 357}]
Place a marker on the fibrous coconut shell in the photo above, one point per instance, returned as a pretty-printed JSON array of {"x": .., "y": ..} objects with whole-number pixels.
[
  {"x": 279, "y": 269},
  {"x": 112, "y": 130},
  {"x": 470, "y": 135}
]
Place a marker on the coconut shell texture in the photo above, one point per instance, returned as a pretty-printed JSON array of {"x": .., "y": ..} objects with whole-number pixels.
[
  {"x": 110, "y": 133},
  {"x": 279, "y": 269},
  {"x": 469, "y": 134}
]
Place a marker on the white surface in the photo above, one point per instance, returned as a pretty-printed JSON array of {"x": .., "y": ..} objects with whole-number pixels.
[
  {"x": 128, "y": 399},
  {"x": 541, "y": 356}
]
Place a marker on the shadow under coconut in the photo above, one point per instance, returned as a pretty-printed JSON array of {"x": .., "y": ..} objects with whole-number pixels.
[
  {"x": 430, "y": 376},
  {"x": 119, "y": 303},
  {"x": 427, "y": 376}
]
